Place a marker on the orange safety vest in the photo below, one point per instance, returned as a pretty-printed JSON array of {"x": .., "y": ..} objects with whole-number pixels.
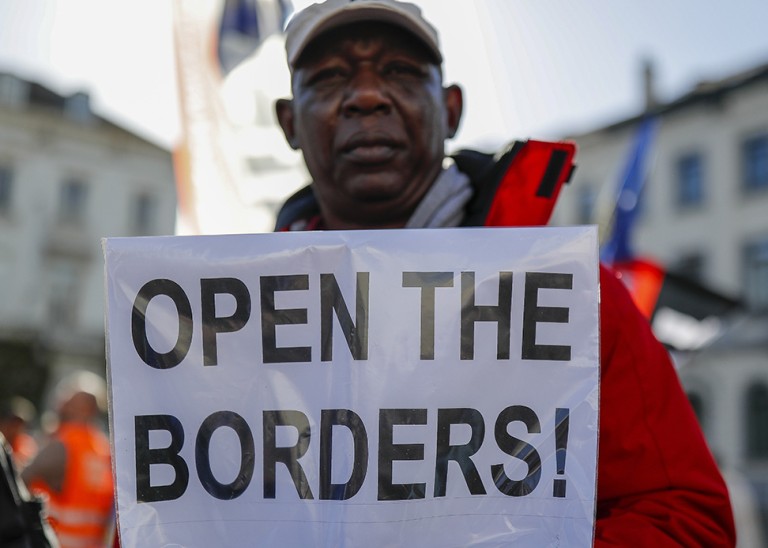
[
  {"x": 24, "y": 449},
  {"x": 82, "y": 513}
]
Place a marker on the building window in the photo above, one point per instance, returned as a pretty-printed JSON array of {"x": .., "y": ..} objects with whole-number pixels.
[
  {"x": 690, "y": 266},
  {"x": 143, "y": 214},
  {"x": 756, "y": 275},
  {"x": 64, "y": 286},
  {"x": 13, "y": 90},
  {"x": 755, "y": 162},
  {"x": 757, "y": 418},
  {"x": 72, "y": 200},
  {"x": 697, "y": 403},
  {"x": 690, "y": 180},
  {"x": 587, "y": 199},
  {"x": 6, "y": 181}
]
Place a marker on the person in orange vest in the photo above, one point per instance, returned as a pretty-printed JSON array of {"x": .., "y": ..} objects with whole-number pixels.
[
  {"x": 73, "y": 471},
  {"x": 15, "y": 416}
]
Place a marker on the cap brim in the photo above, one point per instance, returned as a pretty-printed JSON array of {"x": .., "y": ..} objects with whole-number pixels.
[{"x": 357, "y": 13}]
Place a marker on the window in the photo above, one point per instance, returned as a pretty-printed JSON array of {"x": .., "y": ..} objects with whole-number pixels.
[
  {"x": 690, "y": 180},
  {"x": 6, "y": 180},
  {"x": 690, "y": 266},
  {"x": 143, "y": 214},
  {"x": 74, "y": 194},
  {"x": 64, "y": 285},
  {"x": 78, "y": 107},
  {"x": 587, "y": 198},
  {"x": 755, "y": 162},
  {"x": 757, "y": 418},
  {"x": 13, "y": 90},
  {"x": 697, "y": 403},
  {"x": 756, "y": 275}
]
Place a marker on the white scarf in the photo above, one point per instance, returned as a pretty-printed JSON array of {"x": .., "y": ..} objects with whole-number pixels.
[{"x": 443, "y": 204}]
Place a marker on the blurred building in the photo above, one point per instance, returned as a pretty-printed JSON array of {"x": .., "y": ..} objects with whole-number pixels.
[
  {"x": 68, "y": 178},
  {"x": 704, "y": 216}
]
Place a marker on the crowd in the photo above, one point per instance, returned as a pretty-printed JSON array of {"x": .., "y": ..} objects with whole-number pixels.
[{"x": 57, "y": 482}]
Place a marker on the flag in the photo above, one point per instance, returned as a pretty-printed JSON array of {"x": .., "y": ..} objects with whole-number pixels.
[
  {"x": 239, "y": 33},
  {"x": 618, "y": 247},
  {"x": 684, "y": 313},
  {"x": 243, "y": 26},
  {"x": 233, "y": 166},
  {"x": 643, "y": 277}
]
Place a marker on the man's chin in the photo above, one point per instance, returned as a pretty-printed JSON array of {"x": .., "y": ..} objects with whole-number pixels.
[{"x": 376, "y": 189}]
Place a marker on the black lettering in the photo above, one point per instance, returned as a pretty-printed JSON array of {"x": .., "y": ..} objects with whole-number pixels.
[
  {"x": 289, "y": 456},
  {"x": 471, "y": 313},
  {"x": 212, "y": 324},
  {"x": 562, "y": 425},
  {"x": 461, "y": 454},
  {"x": 149, "y": 355},
  {"x": 427, "y": 281},
  {"x": 517, "y": 449},
  {"x": 331, "y": 300},
  {"x": 232, "y": 490},
  {"x": 533, "y": 314},
  {"x": 389, "y": 452},
  {"x": 270, "y": 318},
  {"x": 145, "y": 457},
  {"x": 350, "y": 419}
]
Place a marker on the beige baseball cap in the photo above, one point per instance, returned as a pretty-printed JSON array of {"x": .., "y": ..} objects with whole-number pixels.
[{"x": 316, "y": 19}]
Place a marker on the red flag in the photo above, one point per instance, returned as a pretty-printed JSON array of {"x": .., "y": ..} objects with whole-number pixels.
[{"x": 644, "y": 279}]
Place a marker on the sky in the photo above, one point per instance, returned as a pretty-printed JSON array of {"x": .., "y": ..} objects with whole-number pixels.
[{"x": 530, "y": 68}]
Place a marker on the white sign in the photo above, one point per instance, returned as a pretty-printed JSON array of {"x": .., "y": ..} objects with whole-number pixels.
[{"x": 378, "y": 388}]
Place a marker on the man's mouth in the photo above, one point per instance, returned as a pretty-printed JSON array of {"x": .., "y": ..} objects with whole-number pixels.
[{"x": 370, "y": 149}]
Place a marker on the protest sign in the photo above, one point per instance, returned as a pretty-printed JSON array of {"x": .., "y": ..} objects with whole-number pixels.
[{"x": 386, "y": 388}]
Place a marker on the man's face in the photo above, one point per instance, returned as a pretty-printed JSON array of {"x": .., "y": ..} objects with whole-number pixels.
[{"x": 371, "y": 117}]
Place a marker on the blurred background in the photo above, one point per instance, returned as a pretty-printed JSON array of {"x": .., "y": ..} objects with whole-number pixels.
[{"x": 154, "y": 117}]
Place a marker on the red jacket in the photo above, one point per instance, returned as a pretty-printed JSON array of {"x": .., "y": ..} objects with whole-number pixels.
[
  {"x": 658, "y": 484},
  {"x": 657, "y": 481}
]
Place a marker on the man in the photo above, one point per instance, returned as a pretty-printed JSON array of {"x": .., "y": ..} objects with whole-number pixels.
[
  {"x": 371, "y": 115},
  {"x": 74, "y": 471},
  {"x": 15, "y": 416}
]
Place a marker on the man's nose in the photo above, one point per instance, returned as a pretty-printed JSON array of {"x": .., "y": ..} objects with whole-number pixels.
[{"x": 366, "y": 94}]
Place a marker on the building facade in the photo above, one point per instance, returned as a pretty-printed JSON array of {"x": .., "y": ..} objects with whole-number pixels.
[
  {"x": 703, "y": 213},
  {"x": 703, "y": 208},
  {"x": 68, "y": 178}
]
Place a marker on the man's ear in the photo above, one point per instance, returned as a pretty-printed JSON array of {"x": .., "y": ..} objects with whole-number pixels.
[
  {"x": 284, "y": 111},
  {"x": 454, "y": 106}
]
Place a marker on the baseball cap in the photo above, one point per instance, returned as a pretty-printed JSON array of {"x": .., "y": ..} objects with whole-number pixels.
[{"x": 316, "y": 19}]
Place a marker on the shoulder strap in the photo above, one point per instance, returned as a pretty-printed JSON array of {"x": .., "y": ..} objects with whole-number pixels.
[
  {"x": 301, "y": 206},
  {"x": 518, "y": 187}
]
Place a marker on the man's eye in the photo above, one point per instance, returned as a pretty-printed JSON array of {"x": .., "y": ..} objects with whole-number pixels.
[
  {"x": 327, "y": 75},
  {"x": 402, "y": 69}
]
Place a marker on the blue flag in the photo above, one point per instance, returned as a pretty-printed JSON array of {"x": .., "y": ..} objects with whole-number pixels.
[
  {"x": 618, "y": 248},
  {"x": 243, "y": 28}
]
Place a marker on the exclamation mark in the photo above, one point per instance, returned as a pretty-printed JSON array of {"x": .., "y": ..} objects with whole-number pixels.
[{"x": 561, "y": 449}]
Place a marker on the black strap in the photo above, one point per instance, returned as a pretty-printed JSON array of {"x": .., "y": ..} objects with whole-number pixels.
[
  {"x": 302, "y": 205},
  {"x": 486, "y": 172},
  {"x": 552, "y": 174}
]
